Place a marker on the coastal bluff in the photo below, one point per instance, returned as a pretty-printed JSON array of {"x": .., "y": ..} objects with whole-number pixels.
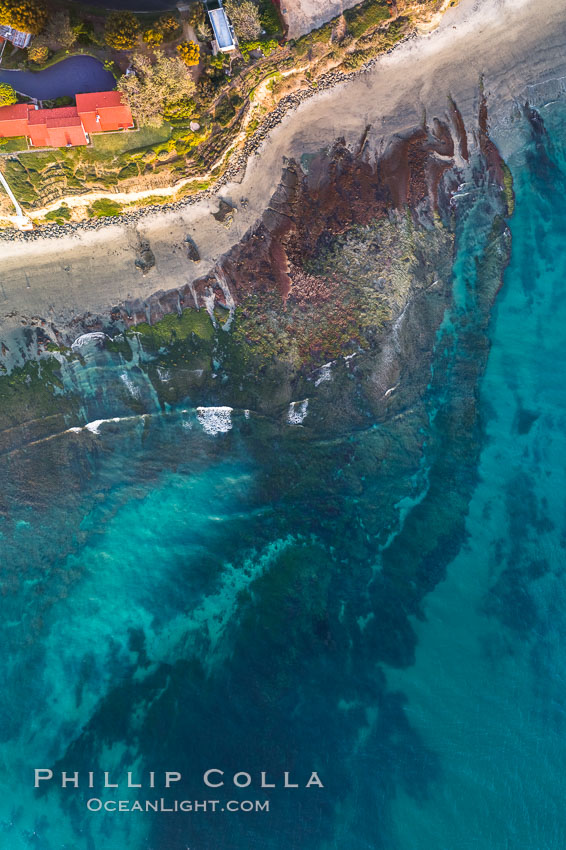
[{"x": 518, "y": 54}]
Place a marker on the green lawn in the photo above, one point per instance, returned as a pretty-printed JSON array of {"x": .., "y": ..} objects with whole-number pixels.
[
  {"x": 117, "y": 143},
  {"x": 19, "y": 143}
]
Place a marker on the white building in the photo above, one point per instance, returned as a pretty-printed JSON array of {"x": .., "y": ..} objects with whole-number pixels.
[{"x": 224, "y": 36}]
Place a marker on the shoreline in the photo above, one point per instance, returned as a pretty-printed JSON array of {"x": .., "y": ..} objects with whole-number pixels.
[{"x": 66, "y": 274}]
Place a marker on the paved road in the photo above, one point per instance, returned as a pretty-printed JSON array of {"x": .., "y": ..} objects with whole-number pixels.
[{"x": 72, "y": 76}]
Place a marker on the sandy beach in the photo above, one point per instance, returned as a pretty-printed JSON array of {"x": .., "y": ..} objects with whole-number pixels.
[{"x": 507, "y": 42}]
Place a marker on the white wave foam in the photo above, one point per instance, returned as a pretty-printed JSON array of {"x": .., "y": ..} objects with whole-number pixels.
[
  {"x": 96, "y": 337},
  {"x": 215, "y": 420},
  {"x": 130, "y": 386},
  {"x": 324, "y": 374},
  {"x": 94, "y": 427},
  {"x": 297, "y": 412}
]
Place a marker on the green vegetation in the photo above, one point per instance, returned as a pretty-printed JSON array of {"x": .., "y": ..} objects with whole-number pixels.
[
  {"x": 18, "y": 143},
  {"x": 61, "y": 215},
  {"x": 269, "y": 17},
  {"x": 508, "y": 188},
  {"x": 174, "y": 328},
  {"x": 7, "y": 95},
  {"x": 266, "y": 47},
  {"x": 105, "y": 208},
  {"x": 224, "y": 112},
  {"x": 113, "y": 144},
  {"x": 368, "y": 14}
]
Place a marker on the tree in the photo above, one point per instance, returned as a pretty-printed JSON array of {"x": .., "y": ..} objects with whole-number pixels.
[
  {"x": 58, "y": 33},
  {"x": 169, "y": 24},
  {"x": 189, "y": 52},
  {"x": 24, "y": 15},
  {"x": 122, "y": 30},
  {"x": 154, "y": 88},
  {"x": 7, "y": 95},
  {"x": 245, "y": 18},
  {"x": 153, "y": 37}
]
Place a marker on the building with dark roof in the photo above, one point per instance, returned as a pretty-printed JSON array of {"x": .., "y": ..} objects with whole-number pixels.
[{"x": 17, "y": 38}]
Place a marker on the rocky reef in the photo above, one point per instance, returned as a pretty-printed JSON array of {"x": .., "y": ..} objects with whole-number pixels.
[{"x": 337, "y": 293}]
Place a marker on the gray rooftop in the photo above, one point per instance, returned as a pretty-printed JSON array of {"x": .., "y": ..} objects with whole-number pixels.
[{"x": 223, "y": 32}]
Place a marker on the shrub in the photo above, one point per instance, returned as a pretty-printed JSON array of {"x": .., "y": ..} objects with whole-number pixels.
[
  {"x": 84, "y": 33},
  {"x": 60, "y": 215},
  {"x": 189, "y": 52},
  {"x": 224, "y": 112},
  {"x": 7, "y": 95},
  {"x": 266, "y": 47},
  {"x": 24, "y": 15},
  {"x": 122, "y": 30},
  {"x": 169, "y": 24},
  {"x": 197, "y": 17},
  {"x": 180, "y": 110},
  {"x": 153, "y": 37},
  {"x": 104, "y": 207},
  {"x": 38, "y": 53}
]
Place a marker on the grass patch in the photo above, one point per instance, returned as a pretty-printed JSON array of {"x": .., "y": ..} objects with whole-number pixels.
[
  {"x": 105, "y": 208},
  {"x": 19, "y": 143},
  {"x": 113, "y": 144}
]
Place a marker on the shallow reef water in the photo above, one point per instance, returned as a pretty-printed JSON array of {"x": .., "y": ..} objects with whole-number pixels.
[{"x": 380, "y": 602}]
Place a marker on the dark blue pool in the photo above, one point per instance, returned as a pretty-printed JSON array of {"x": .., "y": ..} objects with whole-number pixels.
[{"x": 75, "y": 75}]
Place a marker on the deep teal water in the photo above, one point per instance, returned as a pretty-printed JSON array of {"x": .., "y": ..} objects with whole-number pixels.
[{"x": 244, "y": 600}]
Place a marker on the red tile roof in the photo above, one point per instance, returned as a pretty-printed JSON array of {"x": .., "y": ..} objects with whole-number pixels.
[
  {"x": 62, "y": 113},
  {"x": 103, "y": 111},
  {"x": 67, "y": 125},
  {"x": 56, "y": 128},
  {"x": 14, "y": 120}
]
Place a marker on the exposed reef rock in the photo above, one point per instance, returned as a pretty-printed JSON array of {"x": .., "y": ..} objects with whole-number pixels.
[
  {"x": 192, "y": 250},
  {"x": 145, "y": 259},
  {"x": 349, "y": 240}
]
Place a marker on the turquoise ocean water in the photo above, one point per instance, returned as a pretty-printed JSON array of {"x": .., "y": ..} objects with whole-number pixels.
[{"x": 222, "y": 600}]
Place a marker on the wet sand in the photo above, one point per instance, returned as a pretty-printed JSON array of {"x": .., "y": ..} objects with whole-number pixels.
[{"x": 503, "y": 40}]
